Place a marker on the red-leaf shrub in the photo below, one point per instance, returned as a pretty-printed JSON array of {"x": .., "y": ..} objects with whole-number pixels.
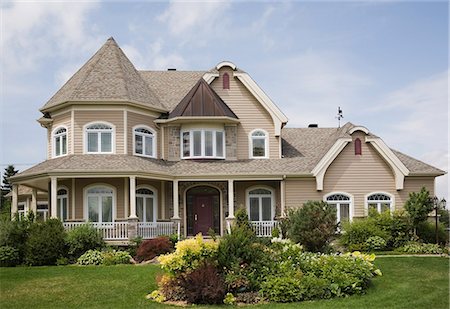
[
  {"x": 151, "y": 248},
  {"x": 204, "y": 285}
]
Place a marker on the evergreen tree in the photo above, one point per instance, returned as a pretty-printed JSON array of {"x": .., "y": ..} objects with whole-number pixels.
[{"x": 9, "y": 171}]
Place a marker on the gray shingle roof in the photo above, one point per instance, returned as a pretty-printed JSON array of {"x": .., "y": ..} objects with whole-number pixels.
[{"x": 107, "y": 76}]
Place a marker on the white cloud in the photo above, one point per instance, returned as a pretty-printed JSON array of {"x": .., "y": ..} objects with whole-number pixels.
[
  {"x": 154, "y": 57},
  {"x": 439, "y": 159}
]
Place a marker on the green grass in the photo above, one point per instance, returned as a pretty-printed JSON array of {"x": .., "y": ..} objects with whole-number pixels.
[{"x": 407, "y": 282}]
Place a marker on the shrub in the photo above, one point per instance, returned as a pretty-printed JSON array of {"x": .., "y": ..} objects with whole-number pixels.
[
  {"x": 171, "y": 288},
  {"x": 444, "y": 217},
  {"x": 312, "y": 225},
  {"x": 426, "y": 231},
  {"x": 83, "y": 238},
  {"x": 45, "y": 243},
  {"x": 134, "y": 245},
  {"x": 357, "y": 232},
  {"x": 62, "y": 261},
  {"x": 14, "y": 234},
  {"x": 204, "y": 285},
  {"x": 375, "y": 243},
  {"x": 114, "y": 257},
  {"x": 189, "y": 254},
  {"x": 229, "y": 299},
  {"x": 151, "y": 248},
  {"x": 397, "y": 226},
  {"x": 242, "y": 218},
  {"x": 248, "y": 298},
  {"x": 419, "y": 205},
  {"x": 91, "y": 257},
  {"x": 415, "y": 247},
  {"x": 9, "y": 256}
]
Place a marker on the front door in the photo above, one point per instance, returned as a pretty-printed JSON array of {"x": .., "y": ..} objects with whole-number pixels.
[{"x": 203, "y": 214}]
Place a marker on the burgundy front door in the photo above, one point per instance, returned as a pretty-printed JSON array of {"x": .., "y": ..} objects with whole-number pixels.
[{"x": 203, "y": 214}]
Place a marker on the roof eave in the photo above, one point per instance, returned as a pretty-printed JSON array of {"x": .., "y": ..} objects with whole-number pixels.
[
  {"x": 188, "y": 119},
  {"x": 103, "y": 102}
]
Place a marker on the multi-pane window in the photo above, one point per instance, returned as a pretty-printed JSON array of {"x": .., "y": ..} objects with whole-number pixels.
[
  {"x": 61, "y": 204},
  {"x": 203, "y": 143},
  {"x": 100, "y": 204},
  {"x": 99, "y": 138},
  {"x": 146, "y": 205},
  {"x": 21, "y": 210},
  {"x": 42, "y": 212},
  {"x": 144, "y": 142},
  {"x": 60, "y": 142},
  {"x": 342, "y": 203},
  {"x": 379, "y": 202},
  {"x": 258, "y": 145},
  {"x": 260, "y": 205}
]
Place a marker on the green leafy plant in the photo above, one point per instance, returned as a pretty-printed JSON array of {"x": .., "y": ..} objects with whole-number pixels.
[
  {"x": 83, "y": 238},
  {"x": 426, "y": 231},
  {"x": 357, "y": 232},
  {"x": 375, "y": 243},
  {"x": 91, "y": 257},
  {"x": 313, "y": 225},
  {"x": 9, "y": 256},
  {"x": 420, "y": 248},
  {"x": 114, "y": 257},
  {"x": 419, "y": 205},
  {"x": 229, "y": 299},
  {"x": 14, "y": 234},
  {"x": 242, "y": 218}
]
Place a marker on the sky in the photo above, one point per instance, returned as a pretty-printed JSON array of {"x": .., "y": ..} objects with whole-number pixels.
[{"x": 385, "y": 63}]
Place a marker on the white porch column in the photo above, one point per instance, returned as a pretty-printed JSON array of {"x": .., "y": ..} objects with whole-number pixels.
[
  {"x": 53, "y": 197},
  {"x": 132, "y": 197},
  {"x": 231, "y": 199},
  {"x": 283, "y": 198},
  {"x": 176, "y": 202},
  {"x": 34, "y": 202},
  {"x": 15, "y": 195}
]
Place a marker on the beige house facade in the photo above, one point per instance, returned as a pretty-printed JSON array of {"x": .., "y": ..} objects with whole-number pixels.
[{"x": 148, "y": 153}]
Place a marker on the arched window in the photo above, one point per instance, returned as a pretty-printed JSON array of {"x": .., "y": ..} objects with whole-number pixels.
[
  {"x": 100, "y": 203},
  {"x": 99, "y": 138},
  {"x": 146, "y": 206},
  {"x": 61, "y": 204},
  {"x": 358, "y": 149},
  {"x": 226, "y": 81},
  {"x": 60, "y": 142},
  {"x": 144, "y": 142},
  {"x": 380, "y": 202},
  {"x": 342, "y": 202},
  {"x": 260, "y": 204},
  {"x": 258, "y": 144}
]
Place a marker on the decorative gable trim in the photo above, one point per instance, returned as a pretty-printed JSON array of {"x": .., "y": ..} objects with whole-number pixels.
[
  {"x": 209, "y": 77},
  {"x": 226, "y": 64},
  {"x": 358, "y": 128}
]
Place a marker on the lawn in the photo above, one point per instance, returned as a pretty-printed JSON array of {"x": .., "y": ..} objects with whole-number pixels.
[{"x": 407, "y": 282}]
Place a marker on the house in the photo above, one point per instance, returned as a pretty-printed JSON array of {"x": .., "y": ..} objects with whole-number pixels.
[{"x": 156, "y": 152}]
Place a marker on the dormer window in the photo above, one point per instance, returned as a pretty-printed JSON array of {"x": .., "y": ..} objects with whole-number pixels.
[
  {"x": 259, "y": 147},
  {"x": 358, "y": 150},
  {"x": 226, "y": 81},
  {"x": 60, "y": 142},
  {"x": 99, "y": 138},
  {"x": 203, "y": 143},
  {"x": 144, "y": 142}
]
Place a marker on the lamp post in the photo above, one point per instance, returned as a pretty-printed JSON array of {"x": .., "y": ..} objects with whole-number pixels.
[{"x": 438, "y": 204}]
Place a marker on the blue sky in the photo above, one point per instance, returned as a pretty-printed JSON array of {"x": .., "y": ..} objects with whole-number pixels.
[{"x": 385, "y": 63}]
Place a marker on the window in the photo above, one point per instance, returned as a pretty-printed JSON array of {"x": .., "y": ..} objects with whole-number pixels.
[
  {"x": 146, "y": 206},
  {"x": 200, "y": 143},
  {"x": 380, "y": 202},
  {"x": 342, "y": 202},
  {"x": 226, "y": 81},
  {"x": 260, "y": 204},
  {"x": 60, "y": 142},
  {"x": 258, "y": 144},
  {"x": 144, "y": 142},
  {"x": 42, "y": 211},
  {"x": 99, "y": 138},
  {"x": 100, "y": 204},
  {"x": 61, "y": 205},
  {"x": 358, "y": 150},
  {"x": 21, "y": 210}
]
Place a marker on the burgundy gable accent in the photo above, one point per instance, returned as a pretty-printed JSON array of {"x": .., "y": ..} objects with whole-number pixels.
[
  {"x": 226, "y": 81},
  {"x": 358, "y": 150}
]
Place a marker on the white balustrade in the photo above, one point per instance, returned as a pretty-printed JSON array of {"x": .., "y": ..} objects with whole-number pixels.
[
  {"x": 264, "y": 228},
  {"x": 109, "y": 230},
  {"x": 154, "y": 229}
]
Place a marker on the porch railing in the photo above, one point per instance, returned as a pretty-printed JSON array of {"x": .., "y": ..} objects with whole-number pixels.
[
  {"x": 154, "y": 229},
  {"x": 110, "y": 230},
  {"x": 264, "y": 228}
]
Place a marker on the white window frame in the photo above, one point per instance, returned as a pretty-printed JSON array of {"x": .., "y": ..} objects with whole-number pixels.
[
  {"x": 99, "y": 131},
  {"x": 60, "y": 135},
  {"x": 153, "y": 132},
  {"x": 21, "y": 213},
  {"x": 86, "y": 204},
  {"x": 155, "y": 202},
  {"x": 337, "y": 204},
  {"x": 58, "y": 202},
  {"x": 203, "y": 144},
  {"x": 379, "y": 202},
  {"x": 260, "y": 196},
  {"x": 266, "y": 144},
  {"x": 44, "y": 211}
]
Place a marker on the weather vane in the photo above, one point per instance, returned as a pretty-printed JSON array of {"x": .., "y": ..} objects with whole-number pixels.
[{"x": 339, "y": 116}]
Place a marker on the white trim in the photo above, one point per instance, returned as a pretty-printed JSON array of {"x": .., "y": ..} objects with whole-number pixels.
[
  {"x": 266, "y": 144},
  {"x": 400, "y": 170},
  {"x": 338, "y": 210},
  {"x": 21, "y": 213},
  {"x": 163, "y": 199},
  {"x": 176, "y": 201},
  {"x": 125, "y": 131},
  {"x": 209, "y": 77},
  {"x": 260, "y": 196},
  {"x": 154, "y": 141},
  {"x": 85, "y": 200},
  {"x": 113, "y": 138},
  {"x": 358, "y": 128},
  {"x": 53, "y": 196},
  {"x": 226, "y": 64},
  {"x": 366, "y": 202},
  {"x": 321, "y": 167},
  {"x": 58, "y": 198},
  {"x": 203, "y": 143},
  {"x": 155, "y": 200},
  {"x": 53, "y": 137}
]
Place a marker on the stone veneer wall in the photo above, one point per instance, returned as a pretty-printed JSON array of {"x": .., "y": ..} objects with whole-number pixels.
[
  {"x": 174, "y": 143},
  {"x": 231, "y": 142}
]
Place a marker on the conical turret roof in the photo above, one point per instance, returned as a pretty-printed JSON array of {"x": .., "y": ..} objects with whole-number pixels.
[{"x": 108, "y": 76}]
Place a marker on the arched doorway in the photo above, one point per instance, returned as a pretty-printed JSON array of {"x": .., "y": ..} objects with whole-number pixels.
[{"x": 202, "y": 210}]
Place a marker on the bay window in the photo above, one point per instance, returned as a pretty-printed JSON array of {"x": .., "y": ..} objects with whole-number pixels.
[{"x": 203, "y": 143}]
